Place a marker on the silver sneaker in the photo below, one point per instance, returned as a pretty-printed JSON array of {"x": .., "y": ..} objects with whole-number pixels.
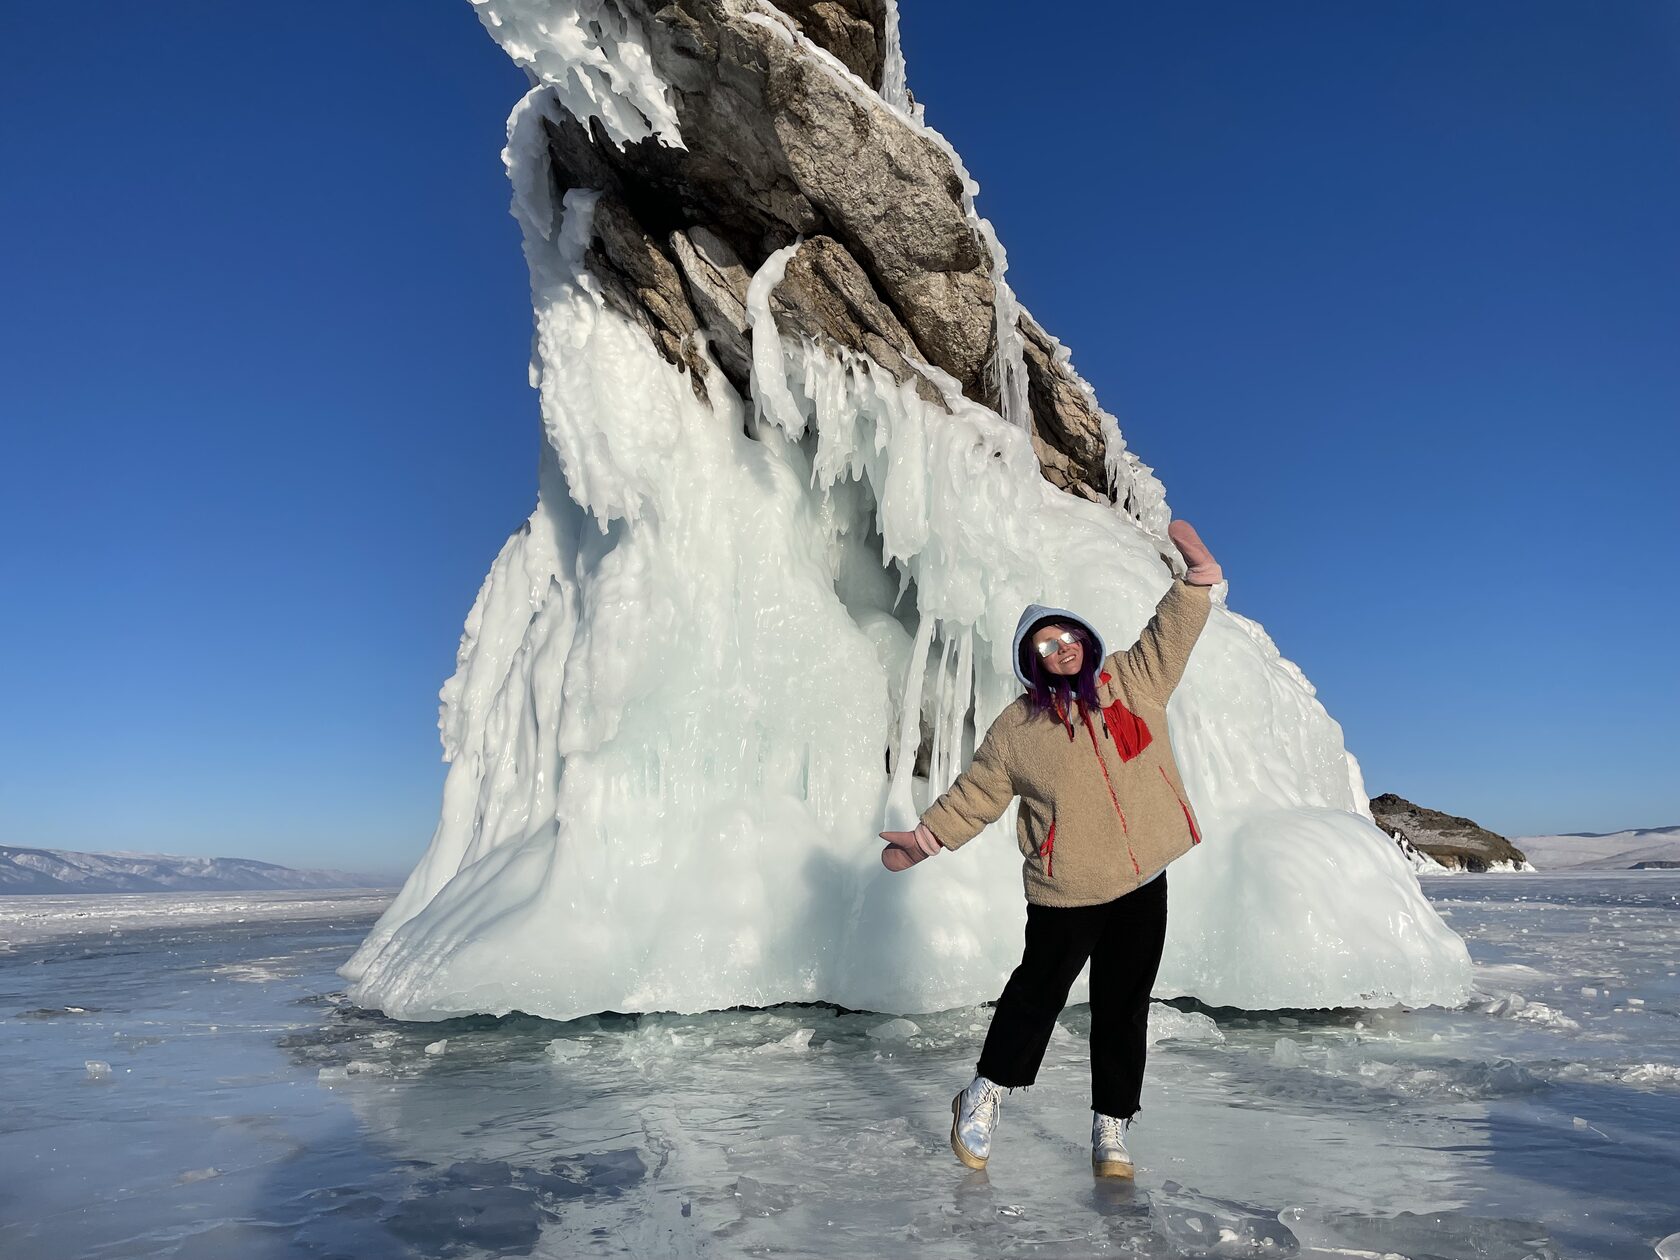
[
  {"x": 974, "y": 1114},
  {"x": 1108, "y": 1146}
]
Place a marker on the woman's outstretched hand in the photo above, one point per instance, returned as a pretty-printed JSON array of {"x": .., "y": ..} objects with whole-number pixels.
[
  {"x": 906, "y": 848},
  {"x": 1204, "y": 569}
]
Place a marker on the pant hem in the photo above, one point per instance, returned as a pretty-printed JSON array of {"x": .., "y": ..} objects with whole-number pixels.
[
  {"x": 1122, "y": 1113},
  {"x": 980, "y": 1071}
]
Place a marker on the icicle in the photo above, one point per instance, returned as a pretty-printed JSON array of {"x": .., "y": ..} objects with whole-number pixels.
[
  {"x": 894, "y": 90},
  {"x": 595, "y": 56},
  {"x": 1009, "y": 363},
  {"x": 957, "y": 711},
  {"x": 941, "y": 705},
  {"x": 772, "y": 399},
  {"x": 901, "y": 812}
]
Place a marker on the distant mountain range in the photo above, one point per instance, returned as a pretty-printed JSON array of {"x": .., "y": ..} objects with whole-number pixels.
[
  {"x": 1641, "y": 849},
  {"x": 61, "y": 871}
]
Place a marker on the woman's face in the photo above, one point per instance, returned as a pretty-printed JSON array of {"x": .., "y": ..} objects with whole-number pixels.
[{"x": 1065, "y": 658}]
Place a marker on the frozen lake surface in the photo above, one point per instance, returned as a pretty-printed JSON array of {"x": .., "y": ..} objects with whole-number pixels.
[{"x": 182, "y": 1083}]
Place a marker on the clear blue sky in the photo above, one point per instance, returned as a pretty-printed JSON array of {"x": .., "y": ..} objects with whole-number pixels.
[{"x": 1387, "y": 293}]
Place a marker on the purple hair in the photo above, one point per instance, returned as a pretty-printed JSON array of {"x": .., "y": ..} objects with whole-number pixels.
[{"x": 1047, "y": 690}]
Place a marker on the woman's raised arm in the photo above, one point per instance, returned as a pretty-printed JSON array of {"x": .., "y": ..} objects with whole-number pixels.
[{"x": 1156, "y": 662}]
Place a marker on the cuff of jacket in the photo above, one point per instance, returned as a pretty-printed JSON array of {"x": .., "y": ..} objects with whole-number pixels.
[{"x": 943, "y": 842}]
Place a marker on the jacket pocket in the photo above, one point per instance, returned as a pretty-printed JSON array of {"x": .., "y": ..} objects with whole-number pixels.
[
  {"x": 1195, "y": 836},
  {"x": 1130, "y": 732},
  {"x": 1046, "y": 852}
]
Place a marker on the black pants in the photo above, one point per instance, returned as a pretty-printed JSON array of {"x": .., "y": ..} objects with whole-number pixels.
[{"x": 1123, "y": 940}]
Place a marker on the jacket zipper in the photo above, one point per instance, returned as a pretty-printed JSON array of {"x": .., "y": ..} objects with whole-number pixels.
[{"x": 1103, "y": 766}]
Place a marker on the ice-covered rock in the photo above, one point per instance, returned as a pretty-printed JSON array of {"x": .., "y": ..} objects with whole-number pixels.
[{"x": 803, "y": 465}]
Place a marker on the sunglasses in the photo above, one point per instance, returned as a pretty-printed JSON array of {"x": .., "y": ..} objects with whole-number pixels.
[{"x": 1051, "y": 646}]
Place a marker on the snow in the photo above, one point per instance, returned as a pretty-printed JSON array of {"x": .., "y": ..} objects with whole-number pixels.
[
  {"x": 30, "y": 920},
  {"x": 679, "y": 689}
]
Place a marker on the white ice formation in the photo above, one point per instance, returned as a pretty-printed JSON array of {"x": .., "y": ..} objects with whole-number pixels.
[{"x": 674, "y": 696}]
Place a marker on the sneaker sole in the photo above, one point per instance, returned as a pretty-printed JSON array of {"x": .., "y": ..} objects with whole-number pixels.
[
  {"x": 1111, "y": 1167},
  {"x": 963, "y": 1153}
]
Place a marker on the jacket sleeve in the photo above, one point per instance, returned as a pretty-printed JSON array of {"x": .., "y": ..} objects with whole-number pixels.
[
  {"x": 978, "y": 797},
  {"x": 1154, "y": 664}
]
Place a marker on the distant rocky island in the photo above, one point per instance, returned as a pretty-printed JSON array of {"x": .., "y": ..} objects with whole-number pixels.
[
  {"x": 1454, "y": 842},
  {"x": 1431, "y": 838},
  {"x": 62, "y": 871}
]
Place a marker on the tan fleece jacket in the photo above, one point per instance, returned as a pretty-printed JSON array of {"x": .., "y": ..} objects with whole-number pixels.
[{"x": 1103, "y": 811}]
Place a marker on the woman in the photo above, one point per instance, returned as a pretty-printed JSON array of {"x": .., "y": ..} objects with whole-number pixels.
[{"x": 1103, "y": 810}]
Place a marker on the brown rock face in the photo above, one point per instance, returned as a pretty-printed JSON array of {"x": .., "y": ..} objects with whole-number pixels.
[
  {"x": 855, "y": 31},
  {"x": 1450, "y": 840},
  {"x": 784, "y": 137}
]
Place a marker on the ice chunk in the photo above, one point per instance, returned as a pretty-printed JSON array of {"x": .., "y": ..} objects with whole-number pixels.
[
  {"x": 1540, "y": 1013},
  {"x": 1446, "y": 1233},
  {"x": 761, "y": 1198},
  {"x": 1168, "y": 1023},
  {"x": 437, "y": 1047},
  {"x": 356, "y": 1067},
  {"x": 895, "y": 1030},
  {"x": 97, "y": 1070},
  {"x": 1201, "y": 1225},
  {"x": 798, "y": 1039},
  {"x": 1650, "y": 1074},
  {"x": 564, "y": 1050}
]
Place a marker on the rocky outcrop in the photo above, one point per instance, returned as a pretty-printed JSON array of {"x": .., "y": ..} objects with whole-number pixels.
[
  {"x": 785, "y": 137},
  {"x": 1452, "y": 841}
]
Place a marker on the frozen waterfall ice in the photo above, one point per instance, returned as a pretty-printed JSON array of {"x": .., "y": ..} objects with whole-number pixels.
[{"x": 693, "y": 685}]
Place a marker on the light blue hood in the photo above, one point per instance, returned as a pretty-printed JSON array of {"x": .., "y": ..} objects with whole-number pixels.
[{"x": 1038, "y": 612}]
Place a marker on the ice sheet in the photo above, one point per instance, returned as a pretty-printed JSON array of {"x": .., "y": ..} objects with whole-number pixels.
[{"x": 195, "y": 1114}]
